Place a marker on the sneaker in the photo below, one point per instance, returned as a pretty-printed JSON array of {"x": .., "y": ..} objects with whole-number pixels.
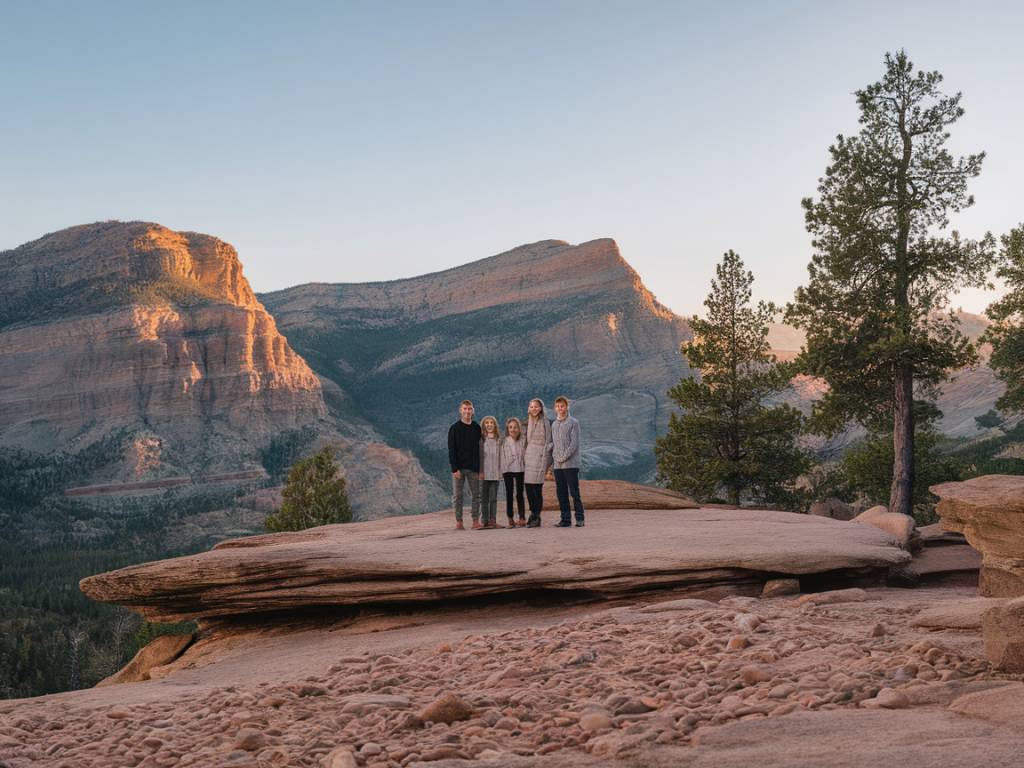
[
  {"x": 476, "y": 525},
  {"x": 459, "y": 526},
  {"x": 563, "y": 524},
  {"x": 533, "y": 523},
  {"x": 579, "y": 523}
]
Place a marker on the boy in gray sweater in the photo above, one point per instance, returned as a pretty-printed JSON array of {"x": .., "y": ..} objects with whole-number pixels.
[{"x": 565, "y": 436}]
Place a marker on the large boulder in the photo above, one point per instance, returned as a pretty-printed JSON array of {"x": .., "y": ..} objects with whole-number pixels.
[
  {"x": 989, "y": 511},
  {"x": 1002, "y": 627}
]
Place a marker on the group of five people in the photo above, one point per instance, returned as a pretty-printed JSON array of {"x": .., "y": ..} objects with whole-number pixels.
[{"x": 482, "y": 458}]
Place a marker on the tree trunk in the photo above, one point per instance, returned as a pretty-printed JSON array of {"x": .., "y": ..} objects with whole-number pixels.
[
  {"x": 901, "y": 494},
  {"x": 903, "y": 384}
]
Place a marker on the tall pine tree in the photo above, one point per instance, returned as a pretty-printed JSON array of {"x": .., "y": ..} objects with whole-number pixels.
[
  {"x": 882, "y": 272},
  {"x": 1006, "y": 334},
  {"x": 728, "y": 439}
]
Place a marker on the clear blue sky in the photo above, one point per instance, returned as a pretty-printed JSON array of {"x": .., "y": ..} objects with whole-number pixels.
[{"x": 348, "y": 142}]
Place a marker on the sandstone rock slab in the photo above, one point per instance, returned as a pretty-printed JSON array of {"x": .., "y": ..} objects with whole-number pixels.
[
  {"x": 964, "y": 613},
  {"x": 1002, "y": 627},
  {"x": 159, "y": 651},
  {"x": 989, "y": 512},
  {"x": 617, "y": 494},
  {"x": 422, "y": 559},
  {"x": 1004, "y": 704}
]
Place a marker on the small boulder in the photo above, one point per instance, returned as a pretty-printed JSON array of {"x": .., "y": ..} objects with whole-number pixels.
[
  {"x": 1002, "y": 627},
  {"x": 595, "y": 721},
  {"x": 447, "y": 708},
  {"x": 780, "y": 587},
  {"x": 900, "y": 526},
  {"x": 751, "y": 674},
  {"x": 341, "y": 757},
  {"x": 250, "y": 740},
  {"x": 747, "y": 622},
  {"x": 737, "y": 643},
  {"x": 889, "y": 698},
  {"x": 634, "y": 707}
]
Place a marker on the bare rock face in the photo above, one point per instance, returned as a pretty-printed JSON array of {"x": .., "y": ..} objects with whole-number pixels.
[
  {"x": 422, "y": 560},
  {"x": 146, "y": 351},
  {"x": 1002, "y": 627},
  {"x": 989, "y": 512},
  {"x": 134, "y": 325},
  {"x": 538, "y": 321}
]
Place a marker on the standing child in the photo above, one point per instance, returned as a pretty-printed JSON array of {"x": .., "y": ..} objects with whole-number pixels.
[
  {"x": 513, "y": 470},
  {"x": 537, "y": 459},
  {"x": 490, "y": 471}
]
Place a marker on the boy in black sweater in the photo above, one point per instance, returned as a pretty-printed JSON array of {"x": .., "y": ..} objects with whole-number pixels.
[{"x": 464, "y": 457}]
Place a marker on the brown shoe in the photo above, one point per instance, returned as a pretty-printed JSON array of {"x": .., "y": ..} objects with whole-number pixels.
[
  {"x": 459, "y": 526},
  {"x": 476, "y": 525}
]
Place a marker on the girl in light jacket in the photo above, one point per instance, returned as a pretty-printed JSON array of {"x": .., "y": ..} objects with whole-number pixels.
[
  {"x": 490, "y": 470},
  {"x": 513, "y": 470},
  {"x": 537, "y": 459}
]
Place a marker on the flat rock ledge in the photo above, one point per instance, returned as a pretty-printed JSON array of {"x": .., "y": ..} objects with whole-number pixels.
[
  {"x": 421, "y": 559},
  {"x": 989, "y": 512}
]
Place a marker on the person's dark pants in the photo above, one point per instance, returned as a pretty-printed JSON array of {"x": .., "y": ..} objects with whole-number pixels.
[
  {"x": 567, "y": 483},
  {"x": 514, "y": 488},
  {"x": 535, "y": 497}
]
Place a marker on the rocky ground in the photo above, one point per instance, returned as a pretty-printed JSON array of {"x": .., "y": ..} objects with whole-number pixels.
[{"x": 677, "y": 682}]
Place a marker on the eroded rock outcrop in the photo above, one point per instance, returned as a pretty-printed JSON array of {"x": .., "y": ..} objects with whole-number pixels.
[
  {"x": 143, "y": 358},
  {"x": 422, "y": 560},
  {"x": 114, "y": 325},
  {"x": 989, "y": 512}
]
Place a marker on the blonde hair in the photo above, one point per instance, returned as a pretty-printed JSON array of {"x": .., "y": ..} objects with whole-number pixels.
[
  {"x": 483, "y": 427},
  {"x": 540, "y": 403},
  {"x": 513, "y": 420}
]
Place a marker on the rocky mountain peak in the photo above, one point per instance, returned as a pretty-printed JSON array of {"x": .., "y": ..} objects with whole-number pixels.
[{"x": 93, "y": 267}]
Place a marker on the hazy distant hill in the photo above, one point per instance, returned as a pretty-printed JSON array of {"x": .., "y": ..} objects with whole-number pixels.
[
  {"x": 540, "y": 320},
  {"x": 969, "y": 393}
]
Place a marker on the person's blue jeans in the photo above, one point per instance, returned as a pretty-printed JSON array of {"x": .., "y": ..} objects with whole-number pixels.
[{"x": 567, "y": 483}]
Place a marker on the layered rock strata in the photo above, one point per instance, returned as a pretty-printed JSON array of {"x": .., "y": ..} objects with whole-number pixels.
[
  {"x": 422, "y": 560},
  {"x": 989, "y": 512}
]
